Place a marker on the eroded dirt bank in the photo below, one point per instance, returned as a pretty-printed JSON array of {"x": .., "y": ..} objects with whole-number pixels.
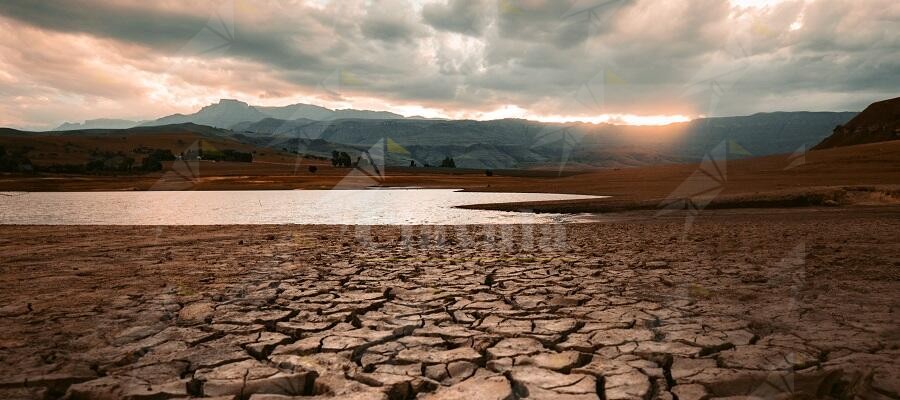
[{"x": 772, "y": 304}]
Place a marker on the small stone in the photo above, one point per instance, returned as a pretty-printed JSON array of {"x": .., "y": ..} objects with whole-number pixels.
[
  {"x": 429, "y": 356},
  {"x": 251, "y": 376},
  {"x": 196, "y": 313},
  {"x": 515, "y": 347},
  {"x": 481, "y": 388},
  {"x": 560, "y": 362},
  {"x": 15, "y": 310},
  {"x": 540, "y": 383},
  {"x": 690, "y": 392}
]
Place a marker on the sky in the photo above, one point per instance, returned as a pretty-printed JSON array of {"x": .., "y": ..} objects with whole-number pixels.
[{"x": 619, "y": 61}]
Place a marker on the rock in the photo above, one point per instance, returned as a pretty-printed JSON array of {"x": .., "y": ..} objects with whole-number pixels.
[
  {"x": 298, "y": 329},
  {"x": 538, "y": 383},
  {"x": 301, "y": 347},
  {"x": 364, "y": 395},
  {"x": 437, "y": 372},
  {"x": 23, "y": 393},
  {"x": 685, "y": 367},
  {"x": 615, "y": 337},
  {"x": 158, "y": 381},
  {"x": 767, "y": 358},
  {"x": 251, "y": 376},
  {"x": 722, "y": 382},
  {"x": 656, "y": 264},
  {"x": 560, "y": 362},
  {"x": 265, "y": 343},
  {"x": 267, "y": 317},
  {"x": 515, "y": 347},
  {"x": 460, "y": 370},
  {"x": 429, "y": 356},
  {"x": 196, "y": 313},
  {"x": 336, "y": 386},
  {"x": 55, "y": 381},
  {"x": 690, "y": 392},
  {"x": 137, "y": 333},
  {"x": 621, "y": 380},
  {"x": 14, "y": 310},
  {"x": 395, "y": 385},
  {"x": 477, "y": 387}
]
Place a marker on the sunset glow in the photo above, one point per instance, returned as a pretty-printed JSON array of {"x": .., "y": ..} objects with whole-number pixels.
[{"x": 530, "y": 59}]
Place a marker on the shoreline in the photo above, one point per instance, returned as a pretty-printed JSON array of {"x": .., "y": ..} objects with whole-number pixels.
[
  {"x": 840, "y": 176},
  {"x": 837, "y": 196}
]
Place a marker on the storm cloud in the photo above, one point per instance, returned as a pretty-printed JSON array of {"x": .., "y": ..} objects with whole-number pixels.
[{"x": 579, "y": 59}]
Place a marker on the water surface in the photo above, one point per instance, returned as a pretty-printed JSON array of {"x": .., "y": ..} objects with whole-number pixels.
[{"x": 350, "y": 207}]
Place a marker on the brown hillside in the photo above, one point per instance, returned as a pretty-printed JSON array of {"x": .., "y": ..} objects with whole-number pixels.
[
  {"x": 44, "y": 150},
  {"x": 879, "y": 122}
]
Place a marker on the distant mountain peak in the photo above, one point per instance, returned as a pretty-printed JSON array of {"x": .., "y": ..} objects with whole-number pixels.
[
  {"x": 229, "y": 103},
  {"x": 100, "y": 123},
  {"x": 227, "y": 113}
]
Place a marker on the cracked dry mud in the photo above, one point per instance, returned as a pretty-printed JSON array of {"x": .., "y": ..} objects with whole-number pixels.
[{"x": 773, "y": 305}]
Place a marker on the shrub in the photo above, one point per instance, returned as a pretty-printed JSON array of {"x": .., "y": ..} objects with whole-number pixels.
[{"x": 341, "y": 159}]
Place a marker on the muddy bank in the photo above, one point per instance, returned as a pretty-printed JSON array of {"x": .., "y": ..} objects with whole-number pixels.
[
  {"x": 727, "y": 304},
  {"x": 863, "y": 195}
]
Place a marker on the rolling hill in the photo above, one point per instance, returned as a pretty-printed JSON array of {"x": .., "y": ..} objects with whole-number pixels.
[
  {"x": 514, "y": 143},
  {"x": 879, "y": 122},
  {"x": 72, "y": 147}
]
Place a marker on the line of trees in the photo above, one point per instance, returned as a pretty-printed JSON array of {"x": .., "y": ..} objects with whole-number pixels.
[
  {"x": 98, "y": 163},
  {"x": 15, "y": 161},
  {"x": 217, "y": 155},
  {"x": 153, "y": 161},
  {"x": 228, "y": 155},
  {"x": 109, "y": 161},
  {"x": 341, "y": 159}
]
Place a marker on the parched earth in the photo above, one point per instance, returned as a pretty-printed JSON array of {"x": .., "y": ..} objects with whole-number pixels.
[{"x": 774, "y": 304}]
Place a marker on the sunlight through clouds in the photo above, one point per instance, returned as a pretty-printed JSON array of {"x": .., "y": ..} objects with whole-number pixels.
[{"x": 445, "y": 58}]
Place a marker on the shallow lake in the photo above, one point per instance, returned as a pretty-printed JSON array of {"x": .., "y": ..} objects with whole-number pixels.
[{"x": 350, "y": 207}]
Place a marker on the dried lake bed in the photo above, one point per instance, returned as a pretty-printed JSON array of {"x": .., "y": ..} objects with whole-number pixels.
[{"x": 767, "y": 304}]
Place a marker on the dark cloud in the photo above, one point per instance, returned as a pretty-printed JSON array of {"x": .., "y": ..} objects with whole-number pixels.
[
  {"x": 156, "y": 28},
  {"x": 468, "y": 17},
  {"x": 387, "y": 29},
  {"x": 458, "y": 57}
]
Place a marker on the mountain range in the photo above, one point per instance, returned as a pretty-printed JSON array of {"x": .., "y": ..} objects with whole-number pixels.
[
  {"x": 506, "y": 143},
  {"x": 515, "y": 143},
  {"x": 102, "y": 123},
  {"x": 228, "y": 112}
]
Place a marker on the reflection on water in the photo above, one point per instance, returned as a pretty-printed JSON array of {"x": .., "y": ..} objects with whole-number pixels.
[{"x": 352, "y": 207}]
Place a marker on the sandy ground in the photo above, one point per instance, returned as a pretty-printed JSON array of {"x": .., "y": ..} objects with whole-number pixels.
[{"x": 773, "y": 304}]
